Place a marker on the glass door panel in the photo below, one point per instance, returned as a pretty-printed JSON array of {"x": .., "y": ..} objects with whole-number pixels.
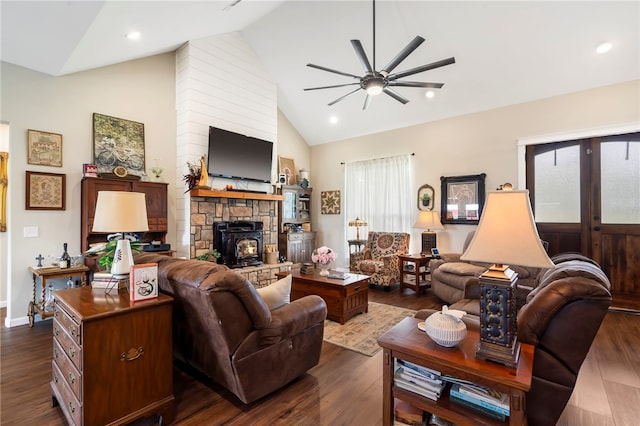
[{"x": 620, "y": 182}]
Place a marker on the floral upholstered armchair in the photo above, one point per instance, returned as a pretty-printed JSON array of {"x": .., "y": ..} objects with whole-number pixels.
[{"x": 379, "y": 258}]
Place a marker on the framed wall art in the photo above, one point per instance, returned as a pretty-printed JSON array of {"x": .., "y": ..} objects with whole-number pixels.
[
  {"x": 45, "y": 191},
  {"x": 118, "y": 143},
  {"x": 44, "y": 148},
  {"x": 143, "y": 279},
  {"x": 330, "y": 202},
  {"x": 4, "y": 184},
  {"x": 287, "y": 167},
  {"x": 462, "y": 198},
  {"x": 426, "y": 197}
]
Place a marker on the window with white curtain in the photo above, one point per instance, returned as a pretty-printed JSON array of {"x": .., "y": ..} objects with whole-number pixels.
[{"x": 380, "y": 192}]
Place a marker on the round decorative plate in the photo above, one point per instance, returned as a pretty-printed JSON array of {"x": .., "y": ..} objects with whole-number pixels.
[
  {"x": 422, "y": 326},
  {"x": 120, "y": 171}
]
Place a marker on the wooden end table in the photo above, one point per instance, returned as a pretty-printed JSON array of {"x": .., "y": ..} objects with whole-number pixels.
[
  {"x": 405, "y": 341},
  {"x": 419, "y": 272},
  {"x": 344, "y": 298}
]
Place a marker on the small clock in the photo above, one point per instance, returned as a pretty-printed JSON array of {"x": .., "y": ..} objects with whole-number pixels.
[{"x": 120, "y": 171}]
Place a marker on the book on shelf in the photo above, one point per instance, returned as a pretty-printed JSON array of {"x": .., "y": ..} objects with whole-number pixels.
[
  {"x": 419, "y": 380},
  {"x": 455, "y": 393},
  {"x": 403, "y": 384},
  {"x": 489, "y": 395},
  {"x": 478, "y": 408},
  {"x": 424, "y": 371}
]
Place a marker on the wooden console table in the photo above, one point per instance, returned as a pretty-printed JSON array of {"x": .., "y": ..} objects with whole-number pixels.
[
  {"x": 50, "y": 273},
  {"x": 405, "y": 341}
]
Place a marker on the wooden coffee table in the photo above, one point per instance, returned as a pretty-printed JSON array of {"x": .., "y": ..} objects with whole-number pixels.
[{"x": 344, "y": 298}]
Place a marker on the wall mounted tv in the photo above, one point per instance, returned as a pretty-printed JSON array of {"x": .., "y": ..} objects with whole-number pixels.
[{"x": 235, "y": 156}]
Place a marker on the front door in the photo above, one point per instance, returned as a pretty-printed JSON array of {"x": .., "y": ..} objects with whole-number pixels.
[{"x": 586, "y": 198}]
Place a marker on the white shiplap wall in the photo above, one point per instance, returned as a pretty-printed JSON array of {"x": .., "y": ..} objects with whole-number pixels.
[{"x": 219, "y": 82}]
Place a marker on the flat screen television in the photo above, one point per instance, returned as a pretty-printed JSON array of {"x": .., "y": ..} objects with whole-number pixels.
[{"x": 235, "y": 156}]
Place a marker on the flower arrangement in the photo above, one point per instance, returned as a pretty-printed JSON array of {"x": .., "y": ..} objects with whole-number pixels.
[
  {"x": 193, "y": 177},
  {"x": 323, "y": 255}
]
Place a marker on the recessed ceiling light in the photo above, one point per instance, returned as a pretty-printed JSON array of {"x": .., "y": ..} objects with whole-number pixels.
[
  {"x": 430, "y": 94},
  {"x": 603, "y": 48},
  {"x": 333, "y": 119},
  {"x": 133, "y": 35}
]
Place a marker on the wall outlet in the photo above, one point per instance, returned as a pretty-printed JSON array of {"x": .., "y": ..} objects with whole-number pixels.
[{"x": 30, "y": 231}]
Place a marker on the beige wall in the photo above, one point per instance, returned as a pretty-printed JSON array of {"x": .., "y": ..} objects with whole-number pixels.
[
  {"x": 484, "y": 142},
  {"x": 292, "y": 145},
  {"x": 141, "y": 90}
]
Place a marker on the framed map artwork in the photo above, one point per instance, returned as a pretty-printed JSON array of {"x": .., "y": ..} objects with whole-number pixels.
[
  {"x": 330, "y": 202},
  {"x": 44, "y": 148}
]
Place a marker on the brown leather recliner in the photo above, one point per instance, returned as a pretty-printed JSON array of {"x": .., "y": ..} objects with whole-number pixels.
[
  {"x": 561, "y": 318},
  {"x": 222, "y": 328}
]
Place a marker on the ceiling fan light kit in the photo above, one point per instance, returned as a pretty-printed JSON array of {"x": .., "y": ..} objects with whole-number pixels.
[{"x": 375, "y": 82}]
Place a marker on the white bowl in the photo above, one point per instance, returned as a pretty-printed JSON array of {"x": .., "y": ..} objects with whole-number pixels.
[{"x": 445, "y": 330}]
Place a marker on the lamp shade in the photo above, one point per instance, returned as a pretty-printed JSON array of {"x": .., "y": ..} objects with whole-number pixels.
[
  {"x": 358, "y": 222},
  {"x": 428, "y": 219},
  {"x": 120, "y": 211},
  {"x": 507, "y": 233}
]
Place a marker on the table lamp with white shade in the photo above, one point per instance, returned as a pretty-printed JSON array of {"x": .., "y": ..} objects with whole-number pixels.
[
  {"x": 121, "y": 212},
  {"x": 506, "y": 235},
  {"x": 428, "y": 220}
]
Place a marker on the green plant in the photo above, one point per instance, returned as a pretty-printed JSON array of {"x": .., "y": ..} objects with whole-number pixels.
[
  {"x": 211, "y": 255},
  {"x": 106, "y": 253},
  {"x": 192, "y": 178},
  {"x": 426, "y": 197}
]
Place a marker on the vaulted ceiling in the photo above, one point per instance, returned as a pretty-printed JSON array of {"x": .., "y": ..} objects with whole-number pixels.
[{"x": 506, "y": 52}]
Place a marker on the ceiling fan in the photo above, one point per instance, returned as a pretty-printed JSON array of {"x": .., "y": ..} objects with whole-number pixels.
[{"x": 375, "y": 82}]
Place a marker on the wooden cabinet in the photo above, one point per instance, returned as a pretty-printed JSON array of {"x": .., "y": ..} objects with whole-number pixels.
[
  {"x": 295, "y": 240},
  {"x": 156, "y": 199},
  {"x": 112, "y": 359}
]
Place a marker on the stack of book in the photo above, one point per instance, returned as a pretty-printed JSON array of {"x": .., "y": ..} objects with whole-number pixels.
[
  {"x": 417, "y": 379},
  {"x": 307, "y": 268},
  {"x": 103, "y": 280},
  {"x": 489, "y": 402}
]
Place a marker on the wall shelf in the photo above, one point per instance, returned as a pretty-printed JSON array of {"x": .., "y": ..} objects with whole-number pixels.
[{"x": 234, "y": 194}]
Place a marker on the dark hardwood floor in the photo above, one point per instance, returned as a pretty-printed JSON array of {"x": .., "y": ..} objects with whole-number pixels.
[{"x": 344, "y": 389}]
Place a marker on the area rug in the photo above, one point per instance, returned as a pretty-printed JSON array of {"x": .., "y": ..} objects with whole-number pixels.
[{"x": 360, "y": 333}]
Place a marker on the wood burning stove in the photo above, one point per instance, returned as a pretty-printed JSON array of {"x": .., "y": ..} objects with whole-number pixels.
[{"x": 239, "y": 243}]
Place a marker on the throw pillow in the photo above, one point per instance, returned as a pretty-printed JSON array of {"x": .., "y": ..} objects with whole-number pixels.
[{"x": 276, "y": 294}]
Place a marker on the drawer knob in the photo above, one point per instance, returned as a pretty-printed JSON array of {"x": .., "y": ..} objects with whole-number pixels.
[
  {"x": 132, "y": 354},
  {"x": 55, "y": 353},
  {"x": 56, "y": 331},
  {"x": 72, "y": 378},
  {"x": 55, "y": 377},
  {"x": 72, "y": 407},
  {"x": 72, "y": 351}
]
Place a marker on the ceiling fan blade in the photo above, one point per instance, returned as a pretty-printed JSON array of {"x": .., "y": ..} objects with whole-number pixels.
[
  {"x": 367, "y": 102},
  {"x": 413, "y": 45},
  {"x": 415, "y": 84},
  {"x": 344, "y": 96},
  {"x": 422, "y": 68},
  {"x": 357, "y": 46},
  {"x": 331, "y": 87},
  {"x": 395, "y": 95},
  {"x": 333, "y": 71}
]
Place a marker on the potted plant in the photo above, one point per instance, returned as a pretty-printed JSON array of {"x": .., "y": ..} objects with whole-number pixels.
[
  {"x": 107, "y": 250},
  {"x": 426, "y": 199},
  {"x": 211, "y": 256},
  {"x": 192, "y": 178}
]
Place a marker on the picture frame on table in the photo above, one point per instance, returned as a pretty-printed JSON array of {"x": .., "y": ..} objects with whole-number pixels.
[
  {"x": 44, "y": 148},
  {"x": 143, "y": 280},
  {"x": 462, "y": 199},
  {"x": 118, "y": 143},
  {"x": 45, "y": 191},
  {"x": 287, "y": 168}
]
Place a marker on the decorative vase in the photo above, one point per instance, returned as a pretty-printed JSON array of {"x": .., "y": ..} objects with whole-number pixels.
[
  {"x": 324, "y": 270},
  {"x": 446, "y": 328}
]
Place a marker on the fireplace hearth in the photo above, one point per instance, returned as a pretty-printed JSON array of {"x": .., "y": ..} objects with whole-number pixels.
[{"x": 239, "y": 243}]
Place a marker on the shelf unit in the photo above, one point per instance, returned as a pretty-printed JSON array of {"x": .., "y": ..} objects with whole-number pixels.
[{"x": 296, "y": 241}]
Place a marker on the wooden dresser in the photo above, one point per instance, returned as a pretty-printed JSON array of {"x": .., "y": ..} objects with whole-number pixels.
[{"x": 112, "y": 358}]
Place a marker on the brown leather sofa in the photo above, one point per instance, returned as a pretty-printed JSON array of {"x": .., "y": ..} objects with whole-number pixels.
[
  {"x": 222, "y": 328},
  {"x": 561, "y": 317}
]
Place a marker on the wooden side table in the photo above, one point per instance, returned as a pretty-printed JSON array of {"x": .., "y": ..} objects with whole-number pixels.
[
  {"x": 405, "y": 341},
  {"x": 418, "y": 272},
  {"x": 50, "y": 273},
  {"x": 355, "y": 244}
]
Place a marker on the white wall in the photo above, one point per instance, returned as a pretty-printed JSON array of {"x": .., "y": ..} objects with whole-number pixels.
[
  {"x": 219, "y": 82},
  {"x": 484, "y": 142},
  {"x": 141, "y": 90}
]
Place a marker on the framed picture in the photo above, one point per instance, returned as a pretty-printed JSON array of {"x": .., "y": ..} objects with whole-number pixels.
[
  {"x": 44, "y": 148},
  {"x": 426, "y": 197},
  {"x": 330, "y": 202},
  {"x": 118, "y": 143},
  {"x": 287, "y": 167},
  {"x": 143, "y": 281},
  {"x": 462, "y": 198},
  {"x": 4, "y": 183},
  {"x": 45, "y": 191}
]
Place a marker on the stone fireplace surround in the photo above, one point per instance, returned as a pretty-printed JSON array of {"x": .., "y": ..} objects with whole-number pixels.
[{"x": 204, "y": 211}]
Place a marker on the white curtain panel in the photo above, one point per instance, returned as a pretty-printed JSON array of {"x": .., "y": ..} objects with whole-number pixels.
[{"x": 380, "y": 192}]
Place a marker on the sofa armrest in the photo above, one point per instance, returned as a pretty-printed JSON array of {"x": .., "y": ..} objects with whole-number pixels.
[
  {"x": 293, "y": 318},
  {"x": 356, "y": 257}
]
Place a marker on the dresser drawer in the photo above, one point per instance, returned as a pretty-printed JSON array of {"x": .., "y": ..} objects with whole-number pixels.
[
  {"x": 67, "y": 323},
  {"x": 67, "y": 400},
  {"x": 67, "y": 371},
  {"x": 68, "y": 349}
]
